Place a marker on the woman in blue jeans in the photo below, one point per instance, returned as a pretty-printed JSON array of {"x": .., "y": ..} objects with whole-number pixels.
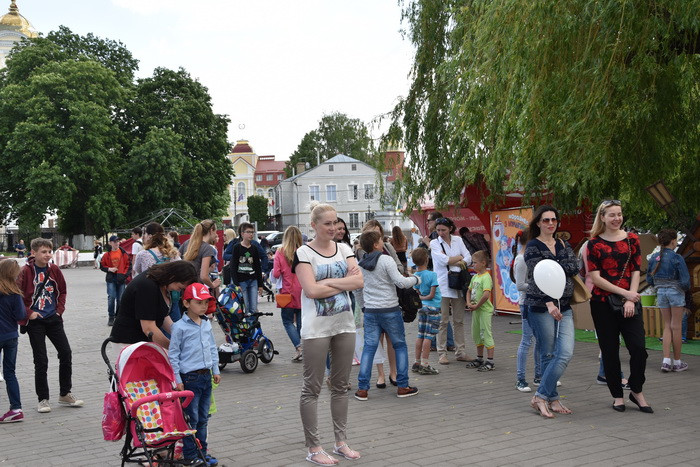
[
  {"x": 382, "y": 313},
  {"x": 552, "y": 320},
  {"x": 291, "y": 289},
  {"x": 246, "y": 267}
]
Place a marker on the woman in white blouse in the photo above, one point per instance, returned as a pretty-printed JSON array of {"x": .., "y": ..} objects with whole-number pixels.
[{"x": 449, "y": 253}]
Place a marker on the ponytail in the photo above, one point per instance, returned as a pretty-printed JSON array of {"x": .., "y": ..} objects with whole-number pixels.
[
  {"x": 665, "y": 237},
  {"x": 195, "y": 241}
]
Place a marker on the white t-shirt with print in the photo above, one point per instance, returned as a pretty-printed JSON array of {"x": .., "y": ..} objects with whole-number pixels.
[{"x": 326, "y": 317}]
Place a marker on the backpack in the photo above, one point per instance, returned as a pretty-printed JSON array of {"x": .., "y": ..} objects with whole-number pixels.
[
  {"x": 409, "y": 302},
  {"x": 162, "y": 259}
]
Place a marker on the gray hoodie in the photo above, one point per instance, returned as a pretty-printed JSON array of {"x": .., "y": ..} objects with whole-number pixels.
[{"x": 381, "y": 279}]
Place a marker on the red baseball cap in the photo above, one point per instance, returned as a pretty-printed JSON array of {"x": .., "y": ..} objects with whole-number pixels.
[{"x": 197, "y": 291}]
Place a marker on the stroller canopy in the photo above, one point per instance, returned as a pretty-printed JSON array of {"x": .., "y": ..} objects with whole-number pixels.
[{"x": 142, "y": 361}]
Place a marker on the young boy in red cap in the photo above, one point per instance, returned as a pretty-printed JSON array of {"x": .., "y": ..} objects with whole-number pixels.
[{"x": 193, "y": 364}]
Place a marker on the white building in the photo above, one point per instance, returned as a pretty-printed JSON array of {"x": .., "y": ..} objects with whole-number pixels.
[
  {"x": 349, "y": 185},
  {"x": 13, "y": 28}
]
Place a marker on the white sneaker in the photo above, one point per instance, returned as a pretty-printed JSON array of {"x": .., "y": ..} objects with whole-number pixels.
[
  {"x": 69, "y": 400},
  {"x": 44, "y": 406}
]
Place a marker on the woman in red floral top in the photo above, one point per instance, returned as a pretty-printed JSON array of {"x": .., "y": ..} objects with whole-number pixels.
[{"x": 613, "y": 262}]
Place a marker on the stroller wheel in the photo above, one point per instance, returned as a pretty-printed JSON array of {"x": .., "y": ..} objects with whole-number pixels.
[
  {"x": 266, "y": 350},
  {"x": 249, "y": 361}
]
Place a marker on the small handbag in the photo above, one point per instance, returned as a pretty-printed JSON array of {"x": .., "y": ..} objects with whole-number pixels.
[
  {"x": 615, "y": 301},
  {"x": 581, "y": 292},
  {"x": 456, "y": 280},
  {"x": 283, "y": 299}
]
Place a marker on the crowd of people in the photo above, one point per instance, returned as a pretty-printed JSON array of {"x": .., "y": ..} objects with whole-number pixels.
[{"x": 328, "y": 290}]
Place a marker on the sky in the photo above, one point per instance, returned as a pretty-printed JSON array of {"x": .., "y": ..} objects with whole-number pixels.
[{"x": 275, "y": 67}]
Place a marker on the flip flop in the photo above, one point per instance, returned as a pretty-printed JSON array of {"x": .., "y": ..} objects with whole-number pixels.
[
  {"x": 310, "y": 457},
  {"x": 336, "y": 451}
]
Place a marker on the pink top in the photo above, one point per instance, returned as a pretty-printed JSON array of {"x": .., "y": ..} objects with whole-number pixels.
[{"x": 290, "y": 283}]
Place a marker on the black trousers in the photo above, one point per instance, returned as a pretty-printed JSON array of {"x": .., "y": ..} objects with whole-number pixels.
[
  {"x": 52, "y": 327},
  {"x": 609, "y": 325}
]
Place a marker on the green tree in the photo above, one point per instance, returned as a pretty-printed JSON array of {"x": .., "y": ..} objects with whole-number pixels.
[
  {"x": 336, "y": 134},
  {"x": 581, "y": 99},
  {"x": 257, "y": 210},
  {"x": 59, "y": 145},
  {"x": 173, "y": 100},
  {"x": 157, "y": 163}
]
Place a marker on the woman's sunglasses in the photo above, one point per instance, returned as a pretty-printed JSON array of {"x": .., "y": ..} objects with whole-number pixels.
[
  {"x": 549, "y": 220},
  {"x": 612, "y": 202}
]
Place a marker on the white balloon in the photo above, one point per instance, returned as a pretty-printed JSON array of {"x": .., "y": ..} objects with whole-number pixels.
[{"x": 550, "y": 278}]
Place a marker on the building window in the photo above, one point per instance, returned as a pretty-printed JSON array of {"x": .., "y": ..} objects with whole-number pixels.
[
  {"x": 353, "y": 167},
  {"x": 369, "y": 191},
  {"x": 279, "y": 177},
  {"x": 270, "y": 193},
  {"x": 330, "y": 167},
  {"x": 354, "y": 222},
  {"x": 268, "y": 178},
  {"x": 369, "y": 216},
  {"x": 258, "y": 178},
  {"x": 314, "y": 193},
  {"x": 260, "y": 192},
  {"x": 353, "y": 191},
  {"x": 330, "y": 193},
  {"x": 241, "y": 191}
]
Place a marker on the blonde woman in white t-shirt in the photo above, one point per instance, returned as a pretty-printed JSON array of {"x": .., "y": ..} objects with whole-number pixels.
[{"x": 326, "y": 271}]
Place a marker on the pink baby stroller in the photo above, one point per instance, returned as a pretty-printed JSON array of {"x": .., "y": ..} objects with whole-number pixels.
[{"x": 155, "y": 421}]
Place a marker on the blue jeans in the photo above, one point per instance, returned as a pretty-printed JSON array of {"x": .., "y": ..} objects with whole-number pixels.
[
  {"x": 450, "y": 337},
  {"x": 197, "y": 411},
  {"x": 8, "y": 348},
  {"x": 114, "y": 295},
  {"x": 250, "y": 294},
  {"x": 524, "y": 349},
  {"x": 392, "y": 324},
  {"x": 556, "y": 340},
  {"x": 288, "y": 315}
]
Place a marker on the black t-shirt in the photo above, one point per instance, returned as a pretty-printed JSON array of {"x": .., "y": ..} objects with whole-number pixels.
[{"x": 142, "y": 300}]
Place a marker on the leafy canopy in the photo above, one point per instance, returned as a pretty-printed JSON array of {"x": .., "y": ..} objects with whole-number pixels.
[
  {"x": 584, "y": 99},
  {"x": 80, "y": 138},
  {"x": 257, "y": 209}
]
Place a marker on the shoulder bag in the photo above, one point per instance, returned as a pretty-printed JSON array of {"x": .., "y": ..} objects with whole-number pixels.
[
  {"x": 616, "y": 301},
  {"x": 456, "y": 280}
]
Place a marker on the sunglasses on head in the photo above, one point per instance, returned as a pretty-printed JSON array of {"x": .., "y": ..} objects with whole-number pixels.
[
  {"x": 443, "y": 221},
  {"x": 612, "y": 202}
]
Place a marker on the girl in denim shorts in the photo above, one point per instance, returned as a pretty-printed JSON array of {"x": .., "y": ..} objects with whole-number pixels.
[{"x": 669, "y": 274}]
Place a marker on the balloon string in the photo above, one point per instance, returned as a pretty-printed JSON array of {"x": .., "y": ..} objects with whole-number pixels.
[{"x": 558, "y": 322}]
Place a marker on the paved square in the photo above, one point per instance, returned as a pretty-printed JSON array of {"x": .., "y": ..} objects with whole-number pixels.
[{"x": 460, "y": 417}]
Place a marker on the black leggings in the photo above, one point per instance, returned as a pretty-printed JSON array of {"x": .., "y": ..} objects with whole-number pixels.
[{"x": 609, "y": 325}]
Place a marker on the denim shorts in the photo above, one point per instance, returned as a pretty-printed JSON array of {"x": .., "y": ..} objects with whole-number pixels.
[{"x": 669, "y": 297}]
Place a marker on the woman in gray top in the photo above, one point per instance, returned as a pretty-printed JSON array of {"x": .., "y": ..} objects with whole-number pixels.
[{"x": 382, "y": 313}]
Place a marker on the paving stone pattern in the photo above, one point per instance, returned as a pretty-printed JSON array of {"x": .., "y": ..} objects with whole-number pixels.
[{"x": 460, "y": 417}]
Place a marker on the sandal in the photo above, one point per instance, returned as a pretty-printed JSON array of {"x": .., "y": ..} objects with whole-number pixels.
[
  {"x": 560, "y": 408},
  {"x": 337, "y": 451},
  {"x": 310, "y": 457},
  {"x": 476, "y": 363},
  {"x": 540, "y": 406}
]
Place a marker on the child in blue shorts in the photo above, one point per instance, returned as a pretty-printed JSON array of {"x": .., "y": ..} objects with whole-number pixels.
[{"x": 429, "y": 314}]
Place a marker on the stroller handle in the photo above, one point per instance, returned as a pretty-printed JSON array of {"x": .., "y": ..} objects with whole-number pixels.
[
  {"x": 188, "y": 395},
  {"x": 103, "y": 350}
]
